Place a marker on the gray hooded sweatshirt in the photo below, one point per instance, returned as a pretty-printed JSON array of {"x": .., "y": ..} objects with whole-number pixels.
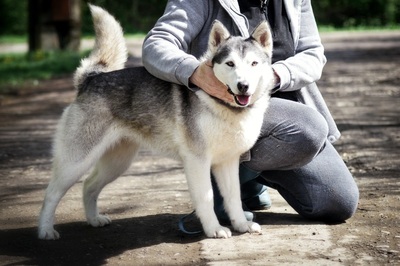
[{"x": 172, "y": 49}]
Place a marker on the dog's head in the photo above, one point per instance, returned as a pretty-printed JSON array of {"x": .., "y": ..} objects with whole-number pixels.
[{"x": 244, "y": 65}]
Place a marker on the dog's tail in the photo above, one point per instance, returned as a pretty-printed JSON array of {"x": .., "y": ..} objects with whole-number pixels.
[{"x": 109, "y": 52}]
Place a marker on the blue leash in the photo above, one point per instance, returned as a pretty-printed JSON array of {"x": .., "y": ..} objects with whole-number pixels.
[{"x": 181, "y": 225}]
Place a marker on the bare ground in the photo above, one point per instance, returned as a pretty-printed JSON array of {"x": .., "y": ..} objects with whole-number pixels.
[{"x": 361, "y": 84}]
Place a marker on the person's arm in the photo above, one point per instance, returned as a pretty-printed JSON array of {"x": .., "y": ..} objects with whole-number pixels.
[
  {"x": 166, "y": 48},
  {"x": 305, "y": 67}
]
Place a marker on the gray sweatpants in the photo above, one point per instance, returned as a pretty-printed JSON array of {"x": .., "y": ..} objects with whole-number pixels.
[{"x": 294, "y": 157}]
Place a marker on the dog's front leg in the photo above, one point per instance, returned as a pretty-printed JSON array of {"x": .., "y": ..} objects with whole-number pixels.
[
  {"x": 227, "y": 178},
  {"x": 199, "y": 183}
]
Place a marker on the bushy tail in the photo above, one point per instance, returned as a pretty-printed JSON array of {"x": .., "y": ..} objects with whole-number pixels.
[{"x": 109, "y": 52}]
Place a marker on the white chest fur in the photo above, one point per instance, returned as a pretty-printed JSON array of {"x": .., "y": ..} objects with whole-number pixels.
[{"x": 231, "y": 133}]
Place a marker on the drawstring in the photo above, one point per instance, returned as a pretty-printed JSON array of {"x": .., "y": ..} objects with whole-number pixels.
[{"x": 263, "y": 8}]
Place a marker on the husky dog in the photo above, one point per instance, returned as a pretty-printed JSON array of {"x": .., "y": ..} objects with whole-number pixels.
[{"x": 118, "y": 110}]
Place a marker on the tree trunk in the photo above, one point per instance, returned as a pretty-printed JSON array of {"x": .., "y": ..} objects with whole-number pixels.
[
  {"x": 34, "y": 25},
  {"x": 54, "y": 24},
  {"x": 76, "y": 22}
]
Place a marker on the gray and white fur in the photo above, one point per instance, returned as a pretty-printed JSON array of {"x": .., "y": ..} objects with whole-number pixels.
[{"x": 118, "y": 110}]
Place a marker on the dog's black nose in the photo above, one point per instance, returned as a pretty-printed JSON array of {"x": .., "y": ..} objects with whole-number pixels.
[{"x": 243, "y": 86}]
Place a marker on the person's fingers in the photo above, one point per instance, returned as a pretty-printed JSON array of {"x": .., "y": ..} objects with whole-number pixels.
[{"x": 204, "y": 78}]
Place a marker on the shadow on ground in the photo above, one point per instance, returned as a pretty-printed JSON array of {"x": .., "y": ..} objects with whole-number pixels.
[{"x": 81, "y": 244}]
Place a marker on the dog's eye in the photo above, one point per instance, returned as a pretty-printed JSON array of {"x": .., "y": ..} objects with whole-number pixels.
[
  {"x": 230, "y": 64},
  {"x": 254, "y": 63}
]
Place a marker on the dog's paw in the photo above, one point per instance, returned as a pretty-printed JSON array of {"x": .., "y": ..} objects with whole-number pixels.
[
  {"x": 48, "y": 234},
  {"x": 99, "y": 221},
  {"x": 218, "y": 232},
  {"x": 247, "y": 226}
]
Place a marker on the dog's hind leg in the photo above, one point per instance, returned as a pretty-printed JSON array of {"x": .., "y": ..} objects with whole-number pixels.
[
  {"x": 111, "y": 165},
  {"x": 227, "y": 178},
  {"x": 65, "y": 175},
  {"x": 76, "y": 150}
]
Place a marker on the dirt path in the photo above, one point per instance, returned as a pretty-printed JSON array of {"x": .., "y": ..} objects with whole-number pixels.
[{"x": 361, "y": 84}]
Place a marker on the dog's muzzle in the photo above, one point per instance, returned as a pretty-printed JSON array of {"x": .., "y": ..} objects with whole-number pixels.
[{"x": 240, "y": 99}]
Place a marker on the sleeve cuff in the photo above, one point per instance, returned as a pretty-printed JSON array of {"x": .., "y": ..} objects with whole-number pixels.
[
  {"x": 284, "y": 74},
  {"x": 185, "y": 70}
]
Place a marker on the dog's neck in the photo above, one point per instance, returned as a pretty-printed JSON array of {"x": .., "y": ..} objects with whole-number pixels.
[{"x": 237, "y": 109}]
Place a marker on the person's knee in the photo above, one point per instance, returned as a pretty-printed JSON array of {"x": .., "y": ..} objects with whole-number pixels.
[
  {"x": 311, "y": 137},
  {"x": 341, "y": 212},
  {"x": 290, "y": 143},
  {"x": 336, "y": 207}
]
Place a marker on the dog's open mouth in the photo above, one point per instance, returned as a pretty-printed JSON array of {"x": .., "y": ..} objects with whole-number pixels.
[{"x": 241, "y": 100}]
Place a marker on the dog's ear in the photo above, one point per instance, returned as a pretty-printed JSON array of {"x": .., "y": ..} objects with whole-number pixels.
[
  {"x": 262, "y": 35},
  {"x": 218, "y": 35}
]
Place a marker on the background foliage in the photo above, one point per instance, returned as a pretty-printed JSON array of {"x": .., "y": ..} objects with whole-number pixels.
[
  {"x": 13, "y": 17},
  {"x": 353, "y": 13},
  {"x": 134, "y": 15},
  {"x": 139, "y": 16}
]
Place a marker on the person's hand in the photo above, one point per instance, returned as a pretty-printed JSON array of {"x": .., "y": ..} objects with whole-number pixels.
[
  {"x": 277, "y": 80},
  {"x": 204, "y": 78}
]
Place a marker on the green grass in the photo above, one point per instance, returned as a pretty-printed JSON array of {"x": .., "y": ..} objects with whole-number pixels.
[
  {"x": 328, "y": 28},
  {"x": 18, "y": 69},
  {"x": 10, "y": 39}
]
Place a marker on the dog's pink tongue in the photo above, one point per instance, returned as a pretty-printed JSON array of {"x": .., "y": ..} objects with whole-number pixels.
[{"x": 243, "y": 99}]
